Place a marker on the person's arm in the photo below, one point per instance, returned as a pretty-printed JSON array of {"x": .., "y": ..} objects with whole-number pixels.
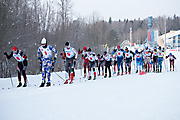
[{"x": 8, "y": 56}]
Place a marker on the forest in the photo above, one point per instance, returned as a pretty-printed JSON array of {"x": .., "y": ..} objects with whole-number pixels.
[{"x": 23, "y": 23}]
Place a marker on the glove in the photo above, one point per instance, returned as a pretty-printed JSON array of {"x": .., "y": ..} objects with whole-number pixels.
[
  {"x": 24, "y": 68},
  {"x": 54, "y": 60},
  {"x": 5, "y": 53},
  {"x": 39, "y": 60}
]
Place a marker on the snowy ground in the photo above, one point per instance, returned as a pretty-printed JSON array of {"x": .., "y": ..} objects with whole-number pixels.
[{"x": 129, "y": 97}]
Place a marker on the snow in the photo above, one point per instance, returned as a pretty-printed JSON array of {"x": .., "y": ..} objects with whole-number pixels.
[{"x": 154, "y": 96}]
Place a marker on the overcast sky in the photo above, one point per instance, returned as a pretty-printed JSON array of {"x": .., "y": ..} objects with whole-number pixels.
[{"x": 123, "y": 9}]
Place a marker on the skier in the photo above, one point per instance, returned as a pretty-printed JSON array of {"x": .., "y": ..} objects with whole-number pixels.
[
  {"x": 84, "y": 57},
  {"x": 115, "y": 63},
  {"x": 21, "y": 58},
  {"x": 171, "y": 60},
  {"x": 120, "y": 54},
  {"x": 69, "y": 54},
  {"x": 92, "y": 64},
  {"x": 108, "y": 59},
  {"x": 100, "y": 64},
  {"x": 128, "y": 59},
  {"x": 138, "y": 56},
  {"x": 147, "y": 58},
  {"x": 160, "y": 59},
  {"x": 155, "y": 58},
  {"x": 44, "y": 54}
]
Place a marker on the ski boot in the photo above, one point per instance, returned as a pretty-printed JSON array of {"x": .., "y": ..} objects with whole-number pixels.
[
  {"x": 66, "y": 82},
  {"x": 25, "y": 85},
  {"x": 94, "y": 78},
  {"x": 89, "y": 78},
  {"x": 129, "y": 72},
  {"x": 84, "y": 76},
  {"x": 136, "y": 71},
  {"x": 122, "y": 73},
  {"x": 102, "y": 73},
  {"x": 105, "y": 76},
  {"x": 99, "y": 74},
  {"x": 109, "y": 76},
  {"x": 118, "y": 74},
  {"x": 19, "y": 85},
  {"x": 48, "y": 84},
  {"x": 114, "y": 73},
  {"x": 42, "y": 85},
  {"x": 71, "y": 82},
  {"x": 125, "y": 72}
]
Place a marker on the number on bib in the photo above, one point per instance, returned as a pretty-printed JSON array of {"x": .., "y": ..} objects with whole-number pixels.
[
  {"x": 68, "y": 54},
  {"x": 45, "y": 53},
  {"x": 17, "y": 58}
]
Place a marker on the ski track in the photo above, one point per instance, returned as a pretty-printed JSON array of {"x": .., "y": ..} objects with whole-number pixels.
[{"x": 154, "y": 96}]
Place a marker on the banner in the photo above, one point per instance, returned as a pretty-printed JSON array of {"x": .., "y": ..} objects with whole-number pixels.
[
  {"x": 156, "y": 35},
  {"x": 152, "y": 36},
  {"x": 149, "y": 35}
]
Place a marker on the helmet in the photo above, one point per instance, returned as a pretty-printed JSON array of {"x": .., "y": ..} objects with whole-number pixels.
[
  {"x": 159, "y": 47},
  {"x": 98, "y": 55},
  {"x": 43, "y": 41},
  {"x": 170, "y": 53},
  {"x": 84, "y": 48},
  {"x": 105, "y": 52},
  {"x": 67, "y": 43},
  {"x": 14, "y": 49},
  {"x": 126, "y": 48},
  {"x": 118, "y": 47},
  {"x": 136, "y": 51},
  {"x": 89, "y": 50},
  {"x": 146, "y": 47}
]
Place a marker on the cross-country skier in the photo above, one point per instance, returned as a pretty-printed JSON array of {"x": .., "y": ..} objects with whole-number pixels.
[
  {"x": 171, "y": 60},
  {"x": 160, "y": 59},
  {"x": 69, "y": 54},
  {"x": 129, "y": 55},
  {"x": 115, "y": 64},
  {"x": 84, "y": 57},
  {"x": 92, "y": 64},
  {"x": 100, "y": 64},
  {"x": 120, "y": 54},
  {"x": 21, "y": 58},
  {"x": 138, "y": 56},
  {"x": 44, "y": 54},
  {"x": 155, "y": 59},
  {"x": 147, "y": 58},
  {"x": 107, "y": 57}
]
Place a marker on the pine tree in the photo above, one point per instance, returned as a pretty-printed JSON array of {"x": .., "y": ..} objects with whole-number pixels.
[{"x": 110, "y": 20}]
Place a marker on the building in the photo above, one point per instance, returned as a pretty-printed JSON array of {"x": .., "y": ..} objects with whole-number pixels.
[{"x": 172, "y": 39}]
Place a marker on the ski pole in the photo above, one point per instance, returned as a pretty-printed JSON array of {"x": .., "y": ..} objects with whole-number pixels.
[
  {"x": 60, "y": 77},
  {"x": 167, "y": 65},
  {"x": 164, "y": 64},
  {"x": 9, "y": 72},
  {"x": 175, "y": 67}
]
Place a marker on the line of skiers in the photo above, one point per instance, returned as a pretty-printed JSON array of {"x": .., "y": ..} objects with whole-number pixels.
[{"x": 150, "y": 60}]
